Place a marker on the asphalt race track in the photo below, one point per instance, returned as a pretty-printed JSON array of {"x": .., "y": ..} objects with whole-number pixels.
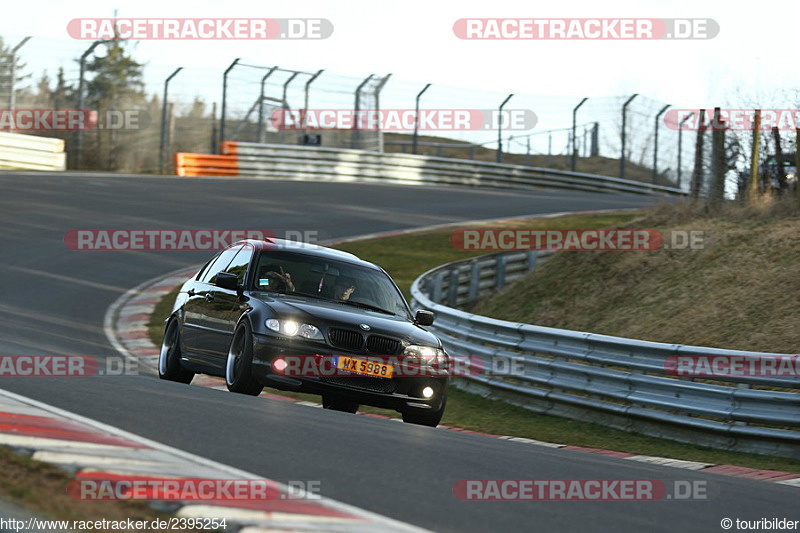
[{"x": 54, "y": 300}]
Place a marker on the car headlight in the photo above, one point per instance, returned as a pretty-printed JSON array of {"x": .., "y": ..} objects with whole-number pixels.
[
  {"x": 290, "y": 328},
  {"x": 426, "y": 355}
]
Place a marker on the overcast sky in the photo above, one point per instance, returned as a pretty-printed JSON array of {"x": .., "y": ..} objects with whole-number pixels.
[{"x": 756, "y": 46}]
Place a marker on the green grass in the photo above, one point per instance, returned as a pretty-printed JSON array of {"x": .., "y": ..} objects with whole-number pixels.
[
  {"x": 155, "y": 326},
  {"x": 405, "y": 257}
]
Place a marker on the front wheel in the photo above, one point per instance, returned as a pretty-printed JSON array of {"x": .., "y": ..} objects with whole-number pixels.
[
  {"x": 169, "y": 358},
  {"x": 239, "y": 367},
  {"x": 424, "y": 417}
]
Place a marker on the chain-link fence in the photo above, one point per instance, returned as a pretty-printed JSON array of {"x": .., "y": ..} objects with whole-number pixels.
[{"x": 582, "y": 134}]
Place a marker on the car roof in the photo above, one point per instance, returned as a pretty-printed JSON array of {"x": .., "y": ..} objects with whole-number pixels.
[{"x": 274, "y": 244}]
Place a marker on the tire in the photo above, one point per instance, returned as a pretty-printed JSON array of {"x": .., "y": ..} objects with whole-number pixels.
[
  {"x": 239, "y": 366},
  {"x": 336, "y": 403},
  {"x": 424, "y": 417},
  {"x": 169, "y": 358}
]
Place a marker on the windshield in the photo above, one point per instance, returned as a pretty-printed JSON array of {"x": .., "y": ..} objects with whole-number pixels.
[{"x": 338, "y": 281}]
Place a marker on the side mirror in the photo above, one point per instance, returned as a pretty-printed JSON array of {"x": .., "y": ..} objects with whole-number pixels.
[
  {"x": 423, "y": 317},
  {"x": 226, "y": 280}
]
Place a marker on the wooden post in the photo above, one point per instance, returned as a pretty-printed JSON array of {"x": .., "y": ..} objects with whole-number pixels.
[
  {"x": 779, "y": 174},
  {"x": 753, "y": 189},
  {"x": 797, "y": 165},
  {"x": 697, "y": 175},
  {"x": 718, "y": 154}
]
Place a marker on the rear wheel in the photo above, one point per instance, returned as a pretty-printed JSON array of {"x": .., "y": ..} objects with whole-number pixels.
[
  {"x": 169, "y": 358},
  {"x": 239, "y": 366},
  {"x": 425, "y": 417},
  {"x": 336, "y": 403}
]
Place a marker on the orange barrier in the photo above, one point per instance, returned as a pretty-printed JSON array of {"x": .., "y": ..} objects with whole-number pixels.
[
  {"x": 188, "y": 164},
  {"x": 229, "y": 147}
]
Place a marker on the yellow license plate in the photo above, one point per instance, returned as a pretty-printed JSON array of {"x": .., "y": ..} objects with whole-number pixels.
[{"x": 365, "y": 367}]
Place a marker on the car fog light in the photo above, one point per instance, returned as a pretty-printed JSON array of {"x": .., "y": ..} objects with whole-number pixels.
[
  {"x": 279, "y": 365},
  {"x": 427, "y": 392}
]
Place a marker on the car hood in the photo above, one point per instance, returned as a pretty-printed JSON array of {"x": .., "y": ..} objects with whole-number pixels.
[{"x": 324, "y": 314}]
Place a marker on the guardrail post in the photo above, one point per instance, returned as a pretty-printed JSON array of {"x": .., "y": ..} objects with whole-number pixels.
[
  {"x": 437, "y": 287},
  {"x": 532, "y": 257},
  {"x": 474, "y": 282},
  {"x": 500, "y": 272},
  {"x": 452, "y": 290}
]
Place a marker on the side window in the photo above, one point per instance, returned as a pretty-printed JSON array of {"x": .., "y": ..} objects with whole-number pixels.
[
  {"x": 220, "y": 264},
  {"x": 240, "y": 263},
  {"x": 205, "y": 268}
]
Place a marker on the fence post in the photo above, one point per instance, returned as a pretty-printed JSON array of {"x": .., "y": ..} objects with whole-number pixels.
[
  {"x": 500, "y": 129},
  {"x": 224, "y": 102},
  {"x": 355, "y": 142},
  {"x": 162, "y": 145},
  {"x": 416, "y": 119},
  {"x": 624, "y": 123},
  {"x": 655, "y": 143},
  {"x": 574, "y": 125},
  {"x": 680, "y": 146},
  {"x": 259, "y": 132}
]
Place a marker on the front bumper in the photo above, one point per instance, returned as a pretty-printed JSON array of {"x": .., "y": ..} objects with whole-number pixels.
[{"x": 400, "y": 392}]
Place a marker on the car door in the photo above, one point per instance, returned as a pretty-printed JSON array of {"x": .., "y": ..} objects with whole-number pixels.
[
  {"x": 200, "y": 312},
  {"x": 227, "y": 306}
]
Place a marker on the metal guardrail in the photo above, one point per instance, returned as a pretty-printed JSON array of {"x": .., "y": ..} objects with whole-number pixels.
[
  {"x": 29, "y": 152},
  {"x": 613, "y": 381},
  {"x": 303, "y": 162}
]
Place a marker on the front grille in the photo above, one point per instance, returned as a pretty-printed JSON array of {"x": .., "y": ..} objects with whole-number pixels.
[
  {"x": 385, "y": 386},
  {"x": 346, "y": 339},
  {"x": 382, "y": 345}
]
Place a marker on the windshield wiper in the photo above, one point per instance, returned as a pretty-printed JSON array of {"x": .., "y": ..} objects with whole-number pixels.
[{"x": 366, "y": 306}]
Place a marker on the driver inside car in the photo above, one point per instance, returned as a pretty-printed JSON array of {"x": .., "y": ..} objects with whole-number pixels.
[
  {"x": 344, "y": 289},
  {"x": 274, "y": 277}
]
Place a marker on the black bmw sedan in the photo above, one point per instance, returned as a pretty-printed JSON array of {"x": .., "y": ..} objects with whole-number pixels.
[{"x": 306, "y": 318}]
